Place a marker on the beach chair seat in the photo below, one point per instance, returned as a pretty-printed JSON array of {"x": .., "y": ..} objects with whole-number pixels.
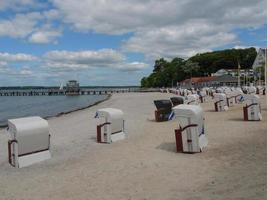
[
  {"x": 164, "y": 109},
  {"x": 30, "y": 141},
  {"x": 220, "y": 102},
  {"x": 192, "y": 99},
  {"x": 252, "y": 108},
  {"x": 177, "y": 100},
  {"x": 191, "y": 134},
  {"x": 110, "y": 126},
  {"x": 202, "y": 96}
]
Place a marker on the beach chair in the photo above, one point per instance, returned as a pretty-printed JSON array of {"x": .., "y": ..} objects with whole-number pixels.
[
  {"x": 192, "y": 99},
  {"x": 177, "y": 100},
  {"x": 30, "y": 141},
  {"x": 230, "y": 97},
  {"x": 252, "y": 108},
  {"x": 220, "y": 102},
  {"x": 164, "y": 109},
  {"x": 190, "y": 135},
  {"x": 251, "y": 90},
  {"x": 219, "y": 90},
  {"x": 260, "y": 90},
  {"x": 110, "y": 126},
  {"x": 202, "y": 96},
  {"x": 238, "y": 95}
]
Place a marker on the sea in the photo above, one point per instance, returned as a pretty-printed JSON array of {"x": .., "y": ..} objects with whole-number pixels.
[{"x": 44, "y": 106}]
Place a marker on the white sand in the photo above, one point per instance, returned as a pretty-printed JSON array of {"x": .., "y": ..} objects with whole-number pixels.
[{"x": 145, "y": 166}]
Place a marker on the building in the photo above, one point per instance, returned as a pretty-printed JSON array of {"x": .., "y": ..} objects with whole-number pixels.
[
  {"x": 198, "y": 82},
  {"x": 249, "y": 73},
  {"x": 209, "y": 81},
  {"x": 72, "y": 88},
  {"x": 226, "y": 80}
]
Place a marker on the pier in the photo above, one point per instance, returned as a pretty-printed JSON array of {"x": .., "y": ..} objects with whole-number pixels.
[{"x": 58, "y": 92}]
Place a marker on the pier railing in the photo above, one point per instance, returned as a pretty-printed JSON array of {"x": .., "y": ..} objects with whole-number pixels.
[{"x": 57, "y": 92}]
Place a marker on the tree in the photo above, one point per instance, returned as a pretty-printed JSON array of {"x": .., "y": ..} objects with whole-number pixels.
[
  {"x": 166, "y": 74},
  {"x": 159, "y": 65},
  {"x": 191, "y": 68}
]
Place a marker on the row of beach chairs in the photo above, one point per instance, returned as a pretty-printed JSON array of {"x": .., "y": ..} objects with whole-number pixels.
[{"x": 30, "y": 137}]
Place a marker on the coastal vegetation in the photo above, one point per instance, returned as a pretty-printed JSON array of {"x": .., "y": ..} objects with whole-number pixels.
[{"x": 168, "y": 73}]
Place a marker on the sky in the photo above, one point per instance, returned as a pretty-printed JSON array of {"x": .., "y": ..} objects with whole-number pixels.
[{"x": 115, "y": 42}]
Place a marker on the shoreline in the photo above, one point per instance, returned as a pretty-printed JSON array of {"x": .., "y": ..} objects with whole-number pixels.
[
  {"x": 78, "y": 109},
  {"x": 71, "y": 111}
]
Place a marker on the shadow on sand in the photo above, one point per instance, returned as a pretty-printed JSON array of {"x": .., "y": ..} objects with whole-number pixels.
[
  {"x": 153, "y": 120},
  {"x": 150, "y": 120},
  {"x": 212, "y": 110},
  {"x": 167, "y": 146},
  {"x": 93, "y": 138},
  {"x": 236, "y": 119}
]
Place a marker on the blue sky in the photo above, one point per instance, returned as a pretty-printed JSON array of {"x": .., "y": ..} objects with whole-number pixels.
[{"x": 116, "y": 42}]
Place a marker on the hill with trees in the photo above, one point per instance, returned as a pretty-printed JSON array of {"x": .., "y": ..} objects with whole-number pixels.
[{"x": 168, "y": 73}]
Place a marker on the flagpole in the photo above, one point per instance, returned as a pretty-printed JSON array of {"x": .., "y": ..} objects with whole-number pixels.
[
  {"x": 238, "y": 74},
  {"x": 265, "y": 80}
]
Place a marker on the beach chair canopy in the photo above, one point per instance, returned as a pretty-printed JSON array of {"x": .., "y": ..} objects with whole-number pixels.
[
  {"x": 185, "y": 112},
  {"x": 177, "y": 100},
  {"x": 252, "y": 98},
  {"x": 163, "y": 105},
  {"x": 113, "y": 116},
  {"x": 110, "y": 113},
  {"x": 219, "y": 96},
  {"x": 31, "y": 133}
]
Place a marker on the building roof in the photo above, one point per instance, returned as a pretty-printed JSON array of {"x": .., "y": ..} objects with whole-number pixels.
[
  {"x": 222, "y": 79},
  {"x": 226, "y": 79},
  {"x": 199, "y": 79},
  {"x": 234, "y": 70}
]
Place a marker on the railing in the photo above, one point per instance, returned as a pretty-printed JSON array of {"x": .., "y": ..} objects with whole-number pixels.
[{"x": 56, "y": 92}]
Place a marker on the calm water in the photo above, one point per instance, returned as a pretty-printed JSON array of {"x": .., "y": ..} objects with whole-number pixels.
[{"x": 44, "y": 106}]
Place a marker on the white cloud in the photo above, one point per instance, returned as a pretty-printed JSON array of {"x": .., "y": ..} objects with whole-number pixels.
[
  {"x": 3, "y": 67},
  {"x": 82, "y": 60},
  {"x": 20, "y": 26},
  {"x": 117, "y": 16},
  {"x": 69, "y": 61},
  {"x": 21, "y": 5},
  {"x": 160, "y": 28},
  {"x": 183, "y": 41},
  {"x": 51, "y": 14},
  {"x": 245, "y": 47},
  {"x": 7, "y": 70},
  {"x": 64, "y": 67},
  {"x": 123, "y": 16},
  {"x": 157, "y": 29},
  {"x": 25, "y": 71},
  {"x": 35, "y": 25},
  {"x": 132, "y": 66},
  {"x": 91, "y": 58},
  {"x": 44, "y": 36},
  {"x": 19, "y": 57},
  {"x": 166, "y": 28}
]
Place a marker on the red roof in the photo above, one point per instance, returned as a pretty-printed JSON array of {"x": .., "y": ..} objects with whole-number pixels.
[{"x": 199, "y": 79}]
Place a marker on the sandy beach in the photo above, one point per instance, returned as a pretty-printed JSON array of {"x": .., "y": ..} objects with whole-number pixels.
[{"x": 145, "y": 165}]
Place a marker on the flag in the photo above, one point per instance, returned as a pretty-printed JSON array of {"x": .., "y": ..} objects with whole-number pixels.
[{"x": 171, "y": 116}]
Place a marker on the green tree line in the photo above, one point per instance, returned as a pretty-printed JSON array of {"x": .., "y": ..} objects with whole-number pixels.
[{"x": 168, "y": 73}]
